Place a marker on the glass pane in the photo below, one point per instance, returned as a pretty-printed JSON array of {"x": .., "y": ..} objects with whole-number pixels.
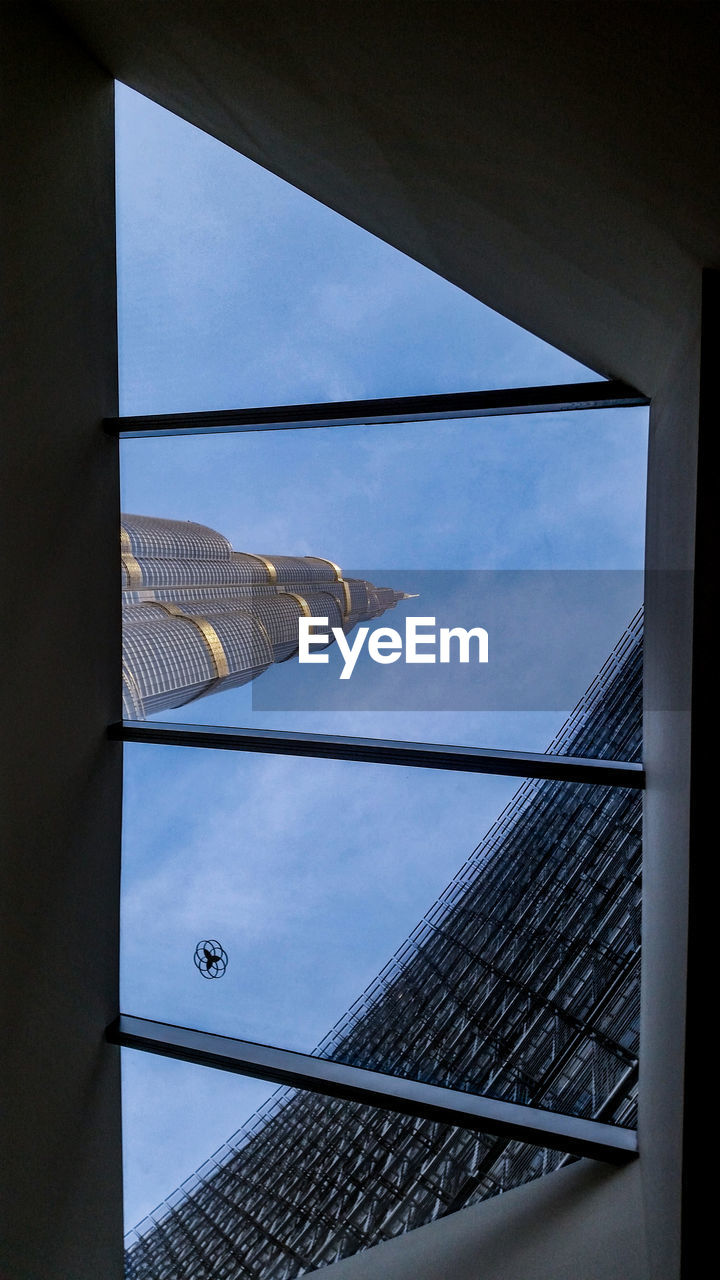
[
  {"x": 174, "y": 1116},
  {"x": 309, "y": 873},
  {"x": 521, "y": 979},
  {"x": 311, "y": 877},
  {"x": 528, "y": 529},
  {"x": 306, "y": 1180},
  {"x": 237, "y": 289}
]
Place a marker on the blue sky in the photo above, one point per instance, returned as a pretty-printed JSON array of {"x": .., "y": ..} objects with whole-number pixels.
[{"x": 235, "y": 289}]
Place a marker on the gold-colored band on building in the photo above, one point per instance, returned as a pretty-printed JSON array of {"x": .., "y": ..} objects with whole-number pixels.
[
  {"x": 173, "y": 609},
  {"x": 324, "y": 560},
  {"x": 272, "y": 571},
  {"x": 133, "y": 570},
  {"x": 214, "y": 644},
  {"x": 208, "y": 633},
  {"x": 348, "y": 597},
  {"x": 338, "y": 578},
  {"x": 125, "y": 540},
  {"x": 304, "y": 606}
]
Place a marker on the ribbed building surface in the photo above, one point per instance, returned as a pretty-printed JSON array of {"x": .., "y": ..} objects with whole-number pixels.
[
  {"x": 199, "y": 617},
  {"x": 521, "y": 982}
]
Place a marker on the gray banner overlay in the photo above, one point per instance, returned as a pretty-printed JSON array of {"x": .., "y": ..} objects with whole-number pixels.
[{"x": 548, "y": 633}]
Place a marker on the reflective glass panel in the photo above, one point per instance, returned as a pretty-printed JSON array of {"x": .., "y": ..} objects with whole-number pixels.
[
  {"x": 360, "y": 916},
  {"x": 512, "y": 972},
  {"x": 361, "y": 919},
  {"x": 529, "y": 530},
  {"x": 304, "y": 1181},
  {"x": 309, "y": 873}
]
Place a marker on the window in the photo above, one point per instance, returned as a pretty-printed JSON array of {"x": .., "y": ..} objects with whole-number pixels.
[{"x": 525, "y": 1002}]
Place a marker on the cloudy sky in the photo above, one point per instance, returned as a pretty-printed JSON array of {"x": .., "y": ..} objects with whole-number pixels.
[{"x": 235, "y": 290}]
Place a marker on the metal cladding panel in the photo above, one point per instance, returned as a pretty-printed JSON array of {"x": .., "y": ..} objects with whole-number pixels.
[
  {"x": 147, "y": 537},
  {"x": 199, "y": 617},
  {"x": 198, "y": 572},
  {"x": 165, "y": 653},
  {"x": 303, "y": 569}
]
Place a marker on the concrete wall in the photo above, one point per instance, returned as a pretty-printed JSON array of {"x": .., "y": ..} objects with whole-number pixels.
[
  {"x": 581, "y": 1223},
  {"x": 667, "y": 854},
  {"x": 60, "y": 1163}
]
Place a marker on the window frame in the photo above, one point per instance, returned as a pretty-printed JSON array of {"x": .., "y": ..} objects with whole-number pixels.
[{"x": 477, "y": 1112}]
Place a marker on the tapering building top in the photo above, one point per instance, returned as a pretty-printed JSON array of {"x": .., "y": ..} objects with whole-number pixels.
[{"x": 199, "y": 616}]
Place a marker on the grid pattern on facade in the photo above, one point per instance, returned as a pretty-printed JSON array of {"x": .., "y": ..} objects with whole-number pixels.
[
  {"x": 521, "y": 982},
  {"x": 199, "y": 617},
  {"x": 150, "y": 538}
]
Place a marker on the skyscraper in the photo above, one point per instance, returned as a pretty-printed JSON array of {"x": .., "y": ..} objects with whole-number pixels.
[
  {"x": 521, "y": 982},
  {"x": 199, "y": 617}
]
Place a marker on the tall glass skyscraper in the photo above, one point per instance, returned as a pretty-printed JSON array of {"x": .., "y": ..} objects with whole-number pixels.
[
  {"x": 521, "y": 982},
  {"x": 199, "y": 617}
]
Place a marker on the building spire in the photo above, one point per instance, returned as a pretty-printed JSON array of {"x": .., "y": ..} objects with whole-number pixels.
[{"x": 199, "y": 617}]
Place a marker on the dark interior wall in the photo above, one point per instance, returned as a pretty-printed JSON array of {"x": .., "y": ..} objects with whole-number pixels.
[
  {"x": 60, "y": 1163},
  {"x": 556, "y": 158},
  {"x": 559, "y": 161}
]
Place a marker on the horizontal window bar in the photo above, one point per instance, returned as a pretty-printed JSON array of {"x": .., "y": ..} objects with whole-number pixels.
[
  {"x": 464, "y": 404},
  {"x": 422, "y": 755},
  {"x": 392, "y": 1093}
]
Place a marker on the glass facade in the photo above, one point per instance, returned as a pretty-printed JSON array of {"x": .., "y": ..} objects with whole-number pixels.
[{"x": 521, "y": 982}]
